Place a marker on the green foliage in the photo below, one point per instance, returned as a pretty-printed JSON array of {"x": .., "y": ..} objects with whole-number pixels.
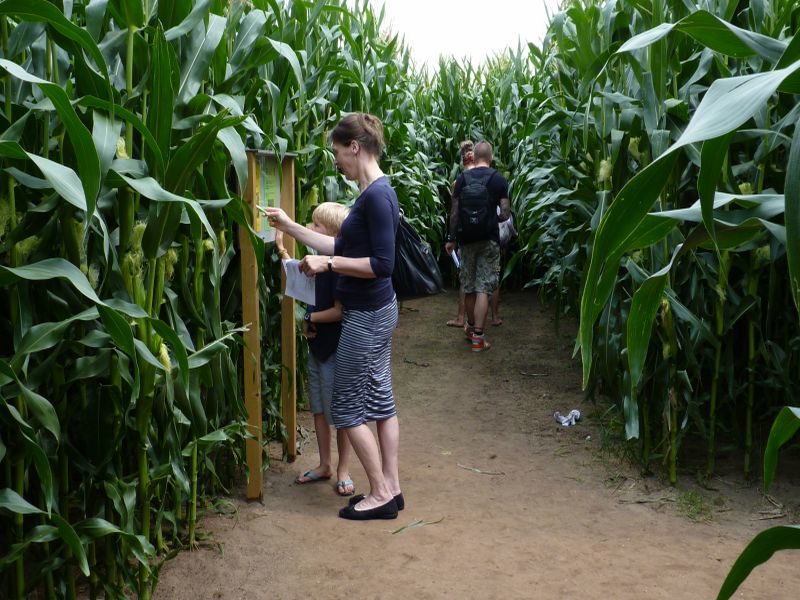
[
  {"x": 649, "y": 150},
  {"x": 694, "y": 505},
  {"x": 768, "y": 542},
  {"x": 653, "y": 195}
]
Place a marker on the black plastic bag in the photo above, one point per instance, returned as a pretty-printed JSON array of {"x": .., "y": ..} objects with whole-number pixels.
[{"x": 416, "y": 272}]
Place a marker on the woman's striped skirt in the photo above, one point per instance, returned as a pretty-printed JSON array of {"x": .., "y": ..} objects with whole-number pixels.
[{"x": 362, "y": 388}]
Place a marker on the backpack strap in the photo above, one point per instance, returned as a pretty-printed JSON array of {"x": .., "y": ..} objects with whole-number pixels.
[
  {"x": 468, "y": 175},
  {"x": 488, "y": 179}
]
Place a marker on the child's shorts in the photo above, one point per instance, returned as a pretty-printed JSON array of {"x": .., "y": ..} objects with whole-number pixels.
[{"x": 320, "y": 384}]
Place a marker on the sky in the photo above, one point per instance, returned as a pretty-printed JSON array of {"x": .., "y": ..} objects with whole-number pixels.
[{"x": 474, "y": 29}]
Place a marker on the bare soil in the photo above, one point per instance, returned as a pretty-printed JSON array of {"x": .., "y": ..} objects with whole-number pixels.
[{"x": 501, "y": 501}]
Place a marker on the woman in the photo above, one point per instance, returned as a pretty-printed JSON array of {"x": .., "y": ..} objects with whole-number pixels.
[
  {"x": 363, "y": 256},
  {"x": 467, "y": 151}
]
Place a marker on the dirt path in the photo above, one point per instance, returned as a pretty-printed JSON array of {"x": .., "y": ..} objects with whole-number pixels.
[{"x": 555, "y": 520}]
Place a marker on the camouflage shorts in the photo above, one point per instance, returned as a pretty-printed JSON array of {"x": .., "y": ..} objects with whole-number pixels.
[{"x": 480, "y": 267}]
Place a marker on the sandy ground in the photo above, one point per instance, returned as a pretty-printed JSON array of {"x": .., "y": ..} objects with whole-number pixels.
[{"x": 501, "y": 502}]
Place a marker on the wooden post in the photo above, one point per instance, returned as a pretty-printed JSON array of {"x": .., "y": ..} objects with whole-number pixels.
[
  {"x": 252, "y": 337},
  {"x": 288, "y": 338},
  {"x": 261, "y": 179}
]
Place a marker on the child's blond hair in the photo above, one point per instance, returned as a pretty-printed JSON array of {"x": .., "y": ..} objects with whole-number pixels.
[{"x": 330, "y": 215}]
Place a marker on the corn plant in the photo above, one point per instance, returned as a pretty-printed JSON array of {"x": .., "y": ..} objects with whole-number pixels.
[
  {"x": 124, "y": 130},
  {"x": 666, "y": 210}
]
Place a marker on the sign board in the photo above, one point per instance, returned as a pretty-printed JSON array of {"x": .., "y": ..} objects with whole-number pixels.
[{"x": 267, "y": 186}]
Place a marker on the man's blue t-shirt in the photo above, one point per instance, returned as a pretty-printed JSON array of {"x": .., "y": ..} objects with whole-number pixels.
[{"x": 369, "y": 230}]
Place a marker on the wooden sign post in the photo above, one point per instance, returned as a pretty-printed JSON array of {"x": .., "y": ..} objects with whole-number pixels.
[{"x": 268, "y": 184}]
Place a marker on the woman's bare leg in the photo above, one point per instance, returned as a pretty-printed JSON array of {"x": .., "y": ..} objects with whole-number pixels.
[
  {"x": 389, "y": 439},
  {"x": 366, "y": 449}
]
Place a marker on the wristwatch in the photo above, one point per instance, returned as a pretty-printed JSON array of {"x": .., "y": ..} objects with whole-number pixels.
[
  {"x": 330, "y": 263},
  {"x": 307, "y": 318}
]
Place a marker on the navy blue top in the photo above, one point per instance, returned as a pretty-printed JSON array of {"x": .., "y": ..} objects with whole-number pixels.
[
  {"x": 327, "y": 339},
  {"x": 369, "y": 230},
  {"x": 497, "y": 187}
]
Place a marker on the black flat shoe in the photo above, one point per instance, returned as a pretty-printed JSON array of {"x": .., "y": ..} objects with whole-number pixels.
[
  {"x": 401, "y": 503},
  {"x": 384, "y": 511}
]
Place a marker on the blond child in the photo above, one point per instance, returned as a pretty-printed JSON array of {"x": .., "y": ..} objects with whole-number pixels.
[{"x": 322, "y": 327}]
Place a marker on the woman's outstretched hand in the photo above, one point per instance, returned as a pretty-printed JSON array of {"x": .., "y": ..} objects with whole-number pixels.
[
  {"x": 313, "y": 264},
  {"x": 277, "y": 218}
]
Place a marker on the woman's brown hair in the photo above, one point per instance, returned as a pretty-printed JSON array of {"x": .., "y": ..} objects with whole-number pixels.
[{"x": 364, "y": 128}]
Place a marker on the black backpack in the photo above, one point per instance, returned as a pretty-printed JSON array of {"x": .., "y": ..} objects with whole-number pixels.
[
  {"x": 416, "y": 271},
  {"x": 477, "y": 216}
]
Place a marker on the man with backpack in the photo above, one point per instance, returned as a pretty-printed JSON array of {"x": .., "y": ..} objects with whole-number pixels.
[{"x": 474, "y": 226}]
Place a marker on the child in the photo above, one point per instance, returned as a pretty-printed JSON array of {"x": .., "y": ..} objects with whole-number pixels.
[{"x": 322, "y": 326}]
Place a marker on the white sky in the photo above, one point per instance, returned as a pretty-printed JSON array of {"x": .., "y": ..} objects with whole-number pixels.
[{"x": 465, "y": 28}]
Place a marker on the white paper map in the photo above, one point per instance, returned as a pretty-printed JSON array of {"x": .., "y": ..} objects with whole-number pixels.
[{"x": 298, "y": 286}]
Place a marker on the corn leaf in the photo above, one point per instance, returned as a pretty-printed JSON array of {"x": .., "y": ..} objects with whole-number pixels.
[
  {"x": 41, "y": 10},
  {"x": 712, "y": 158},
  {"x": 149, "y": 188},
  {"x": 119, "y": 329},
  {"x": 757, "y": 552},
  {"x": 730, "y": 103},
  {"x": 792, "y": 192},
  {"x": 617, "y": 225},
  {"x": 167, "y": 12},
  {"x": 46, "y": 335},
  {"x": 784, "y": 428},
  {"x": 207, "y": 352},
  {"x": 178, "y": 349},
  {"x": 11, "y": 149},
  {"x": 195, "y": 152},
  {"x": 88, "y": 163},
  {"x": 713, "y": 32},
  {"x": 645, "y": 303},
  {"x": 130, "y": 119},
  {"x": 163, "y": 66},
  {"x": 129, "y": 13},
  {"x": 144, "y": 352},
  {"x": 287, "y": 52},
  {"x": 50, "y": 268},
  {"x": 63, "y": 180},
  {"x": 235, "y": 146},
  {"x": 202, "y": 44},
  {"x": 163, "y": 223},
  {"x": 91, "y": 367},
  {"x": 95, "y": 528},
  {"x": 105, "y": 133},
  {"x": 40, "y": 408},
  {"x": 250, "y": 29},
  {"x": 12, "y": 501},
  {"x": 73, "y": 542}
]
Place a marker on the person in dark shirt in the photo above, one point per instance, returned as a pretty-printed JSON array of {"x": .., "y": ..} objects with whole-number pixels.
[
  {"x": 363, "y": 256},
  {"x": 480, "y": 258},
  {"x": 322, "y": 327}
]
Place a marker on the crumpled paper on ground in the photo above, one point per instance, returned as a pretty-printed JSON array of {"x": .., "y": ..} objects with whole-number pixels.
[{"x": 573, "y": 417}]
